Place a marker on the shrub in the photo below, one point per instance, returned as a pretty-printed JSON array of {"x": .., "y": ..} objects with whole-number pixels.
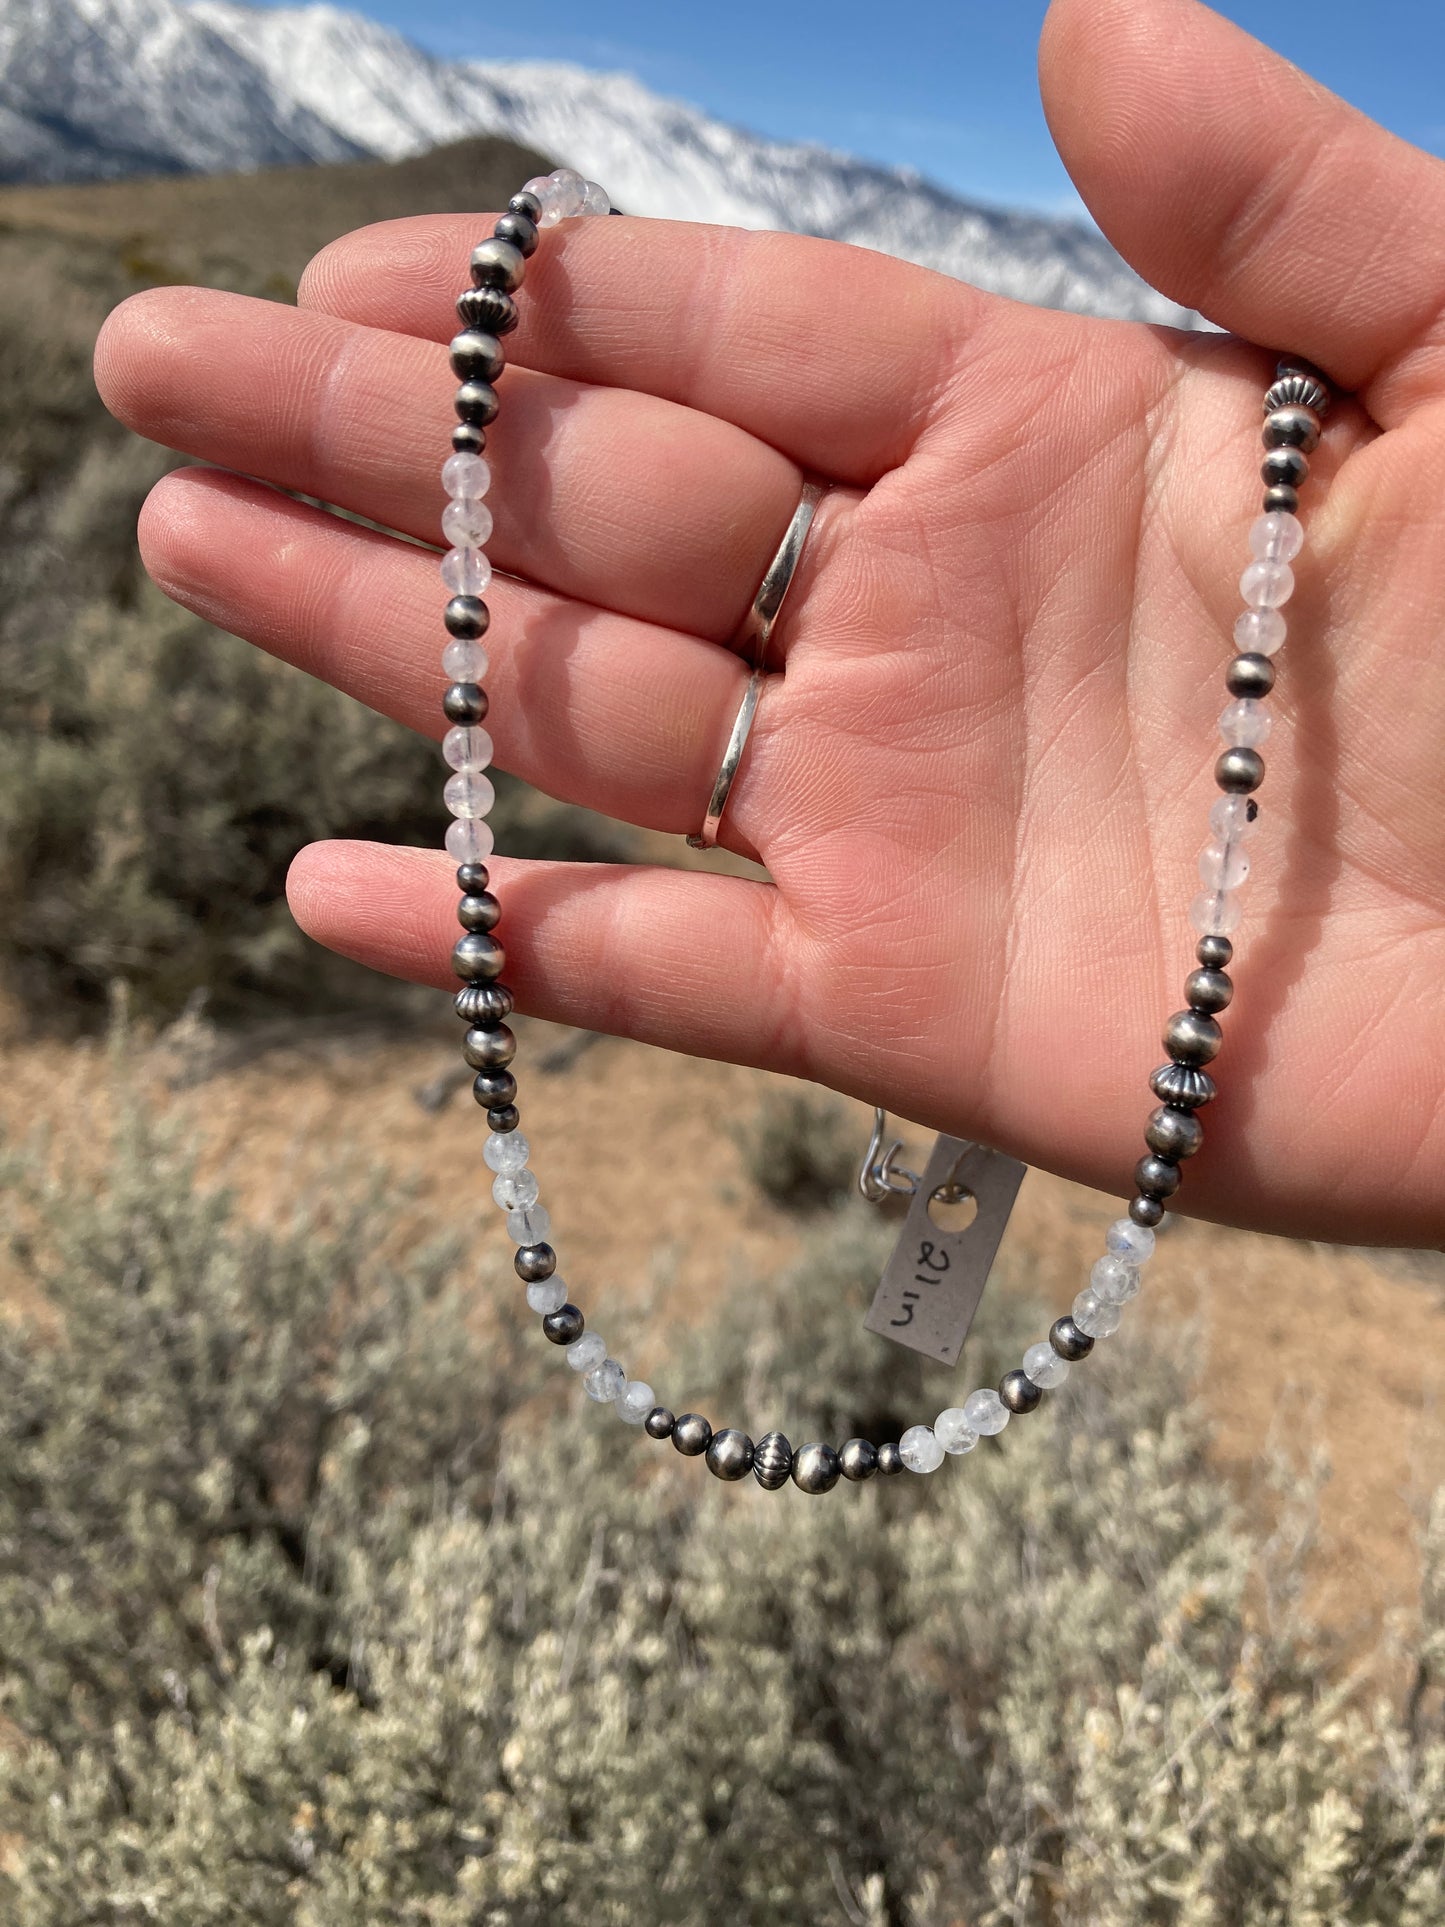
[
  {"x": 311, "y": 1614},
  {"x": 799, "y": 1152}
]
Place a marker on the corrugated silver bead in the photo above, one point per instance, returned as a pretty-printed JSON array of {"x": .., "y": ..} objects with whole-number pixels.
[
  {"x": 1183, "y": 1085},
  {"x": 772, "y": 1461}
]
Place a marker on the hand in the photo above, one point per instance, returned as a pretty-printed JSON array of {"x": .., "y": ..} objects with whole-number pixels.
[{"x": 982, "y": 785}]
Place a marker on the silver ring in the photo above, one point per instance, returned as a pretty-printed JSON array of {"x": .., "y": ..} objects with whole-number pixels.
[
  {"x": 706, "y": 839},
  {"x": 756, "y": 627}
]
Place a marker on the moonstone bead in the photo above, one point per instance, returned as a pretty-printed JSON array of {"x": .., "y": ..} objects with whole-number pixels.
[
  {"x": 1230, "y": 819},
  {"x": 466, "y": 477},
  {"x": 467, "y": 747},
  {"x": 467, "y": 524},
  {"x": 569, "y": 194},
  {"x": 465, "y": 661},
  {"x": 469, "y": 793},
  {"x": 1266, "y": 585},
  {"x": 1043, "y": 1366},
  {"x": 1259, "y": 632},
  {"x": 1125, "y": 1239},
  {"x": 546, "y": 1295},
  {"x": 1114, "y": 1281},
  {"x": 595, "y": 199},
  {"x": 1094, "y": 1318},
  {"x": 506, "y": 1151},
  {"x": 544, "y": 186},
  {"x": 467, "y": 571},
  {"x": 605, "y": 1381},
  {"x": 1223, "y": 866},
  {"x": 920, "y": 1450},
  {"x": 1216, "y": 913},
  {"x": 470, "y": 840},
  {"x": 636, "y": 1401},
  {"x": 515, "y": 1190},
  {"x": 1246, "y": 723},
  {"x": 986, "y": 1412},
  {"x": 1276, "y": 537},
  {"x": 586, "y": 1352},
  {"x": 529, "y": 1224},
  {"x": 953, "y": 1431}
]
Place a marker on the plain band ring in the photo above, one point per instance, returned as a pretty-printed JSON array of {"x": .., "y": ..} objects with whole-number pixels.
[
  {"x": 706, "y": 839},
  {"x": 756, "y": 627}
]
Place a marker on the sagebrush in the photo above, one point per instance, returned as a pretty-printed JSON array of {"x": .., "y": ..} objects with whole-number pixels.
[{"x": 323, "y": 1604}]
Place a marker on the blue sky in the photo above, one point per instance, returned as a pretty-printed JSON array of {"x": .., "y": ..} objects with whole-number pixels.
[{"x": 947, "y": 86}]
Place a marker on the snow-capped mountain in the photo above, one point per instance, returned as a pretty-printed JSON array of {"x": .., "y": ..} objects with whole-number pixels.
[{"x": 103, "y": 88}]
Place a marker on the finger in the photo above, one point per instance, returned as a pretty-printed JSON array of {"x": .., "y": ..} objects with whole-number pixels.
[
  {"x": 1240, "y": 187},
  {"x": 589, "y": 706},
  {"x": 833, "y": 354},
  {"x": 620, "y": 499},
  {"x": 654, "y": 954}
]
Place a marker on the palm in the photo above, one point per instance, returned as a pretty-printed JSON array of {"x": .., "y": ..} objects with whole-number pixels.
[{"x": 981, "y": 785}]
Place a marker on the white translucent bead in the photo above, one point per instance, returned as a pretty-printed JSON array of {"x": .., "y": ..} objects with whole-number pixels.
[
  {"x": 515, "y": 1190},
  {"x": 1125, "y": 1239},
  {"x": 467, "y": 747},
  {"x": 1094, "y": 1318},
  {"x": 1276, "y": 537},
  {"x": 920, "y": 1450},
  {"x": 1231, "y": 822},
  {"x": 1265, "y": 585},
  {"x": 1216, "y": 913},
  {"x": 506, "y": 1151},
  {"x": 529, "y": 1224},
  {"x": 466, "y": 477},
  {"x": 1246, "y": 723},
  {"x": 986, "y": 1412},
  {"x": 546, "y": 1295},
  {"x": 470, "y": 840},
  {"x": 605, "y": 1381},
  {"x": 636, "y": 1402},
  {"x": 465, "y": 661},
  {"x": 469, "y": 793},
  {"x": 953, "y": 1431},
  {"x": 466, "y": 571},
  {"x": 1114, "y": 1281},
  {"x": 544, "y": 187},
  {"x": 467, "y": 524},
  {"x": 585, "y": 1352},
  {"x": 1223, "y": 866},
  {"x": 595, "y": 200},
  {"x": 1043, "y": 1366},
  {"x": 569, "y": 192},
  {"x": 1259, "y": 632}
]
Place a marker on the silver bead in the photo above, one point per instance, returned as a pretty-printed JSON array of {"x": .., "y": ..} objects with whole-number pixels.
[
  {"x": 1292, "y": 427},
  {"x": 478, "y": 910},
  {"x": 815, "y": 1468},
  {"x": 1183, "y": 1085},
  {"x": 1250, "y": 675},
  {"x": 659, "y": 1423},
  {"x": 772, "y": 1461},
  {"x": 476, "y": 403},
  {"x": 1147, "y": 1212},
  {"x": 729, "y": 1454},
  {"x": 690, "y": 1434},
  {"x": 518, "y": 228},
  {"x": 490, "y": 1050},
  {"x": 494, "y": 1090},
  {"x": 1239, "y": 771},
  {"x": 1284, "y": 468},
  {"x": 476, "y": 356},
  {"x": 1208, "y": 990},
  {"x": 1068, "y": 1341},
  {"x": 491, "y": 309},
  {"x": 1192, "y": 1037},
  {"x": 1157, "y": 1177},
  {"x": 1281, "y": 499},
  {"x": 890, "y": 1459},
  {"x": 531, "y": 1262},
  {"x": 498, "y": 264},
  {"x": 1214, "y": 951},
  {"x": 478, "y": 956},
  {"x": 1296, "y": 387},
  {"x": 1174, "y": 1134},
  {"x": 858, "y": 1459},
  {"x": 1018, "y": 1391},
  {"x": 563, "y": 1326}
]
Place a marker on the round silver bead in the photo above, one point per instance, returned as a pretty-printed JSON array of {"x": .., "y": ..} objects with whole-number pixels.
[
  {"x": 1068, "y": 1341},
  {"x": 1146, "y": 1211},
  {"x": 1284, "y": 468},
  {"x": 1250, "y": 675},
  {"x": 1192, "y": 1037},
  {"x": 1183, "y": 1085},
  {"x": 772, "y": 1461},
  {"x": 1157, "y": 1177},
  {"x": 858, "y": 1459},
  {"x": 1292, "y": 426},
  {"x": 1239, "y": 771},
  {"x": 490, "y": 1050},
  {"x": 532, "y": 1262},
  {"x": 1214, "y": 951},
  {"x": 498, "y": 264},
  {"x": 478, "y": 910},
  {"x": 478, "y": 955},
  {"x": 815, "y": 1468},
  {"x": 1173, "y": 1134},
  {"x": 890, "y": 1459},
  {"x": 690, "y": 1434},
  {"x": 476, "y": 355},
  {"x": 1018, "y": 1391},
  {"x": 1208, "y": 990},
  {"x": 729, "y": 1454},
  {"x": 659, "y": 1423}
]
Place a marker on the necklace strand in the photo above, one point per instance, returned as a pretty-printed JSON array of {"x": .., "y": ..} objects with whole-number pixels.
[{"x": 1293, "y": 407}]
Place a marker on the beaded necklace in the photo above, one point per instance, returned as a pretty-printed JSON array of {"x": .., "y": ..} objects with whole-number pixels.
[{"x": 1293, "y": 408}]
